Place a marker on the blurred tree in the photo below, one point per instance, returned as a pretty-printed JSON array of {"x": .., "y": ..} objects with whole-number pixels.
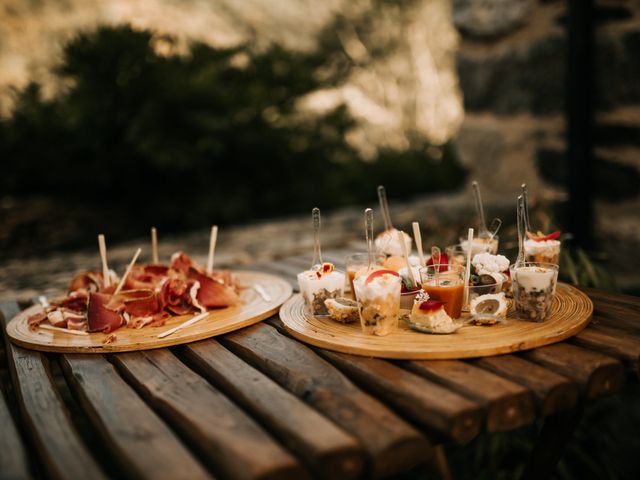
[{"x": 182, "y": 140}]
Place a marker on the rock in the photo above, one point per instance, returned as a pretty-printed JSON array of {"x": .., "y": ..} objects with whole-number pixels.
[
  {"x": 527, "y": 77},
  {"x": 490, "y": 18}
]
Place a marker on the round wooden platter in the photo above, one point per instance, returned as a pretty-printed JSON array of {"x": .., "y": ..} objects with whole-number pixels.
[
  {"x": 571, "y": 312},
  {"x": 253, "y": 309}
]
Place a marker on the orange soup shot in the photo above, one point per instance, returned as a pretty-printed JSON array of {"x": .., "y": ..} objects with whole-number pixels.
[{"x": 444, "y": 284}]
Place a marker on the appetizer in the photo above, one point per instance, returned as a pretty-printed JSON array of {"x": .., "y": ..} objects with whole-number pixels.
[
  {"x": 534, "y": 286},
  {"x": 319, "y": 284},
  {"x": 378, "y": 295},
  {"x": 542, "y": 248},
  {"x": 343, "y": 310},
  {"x": 151, "y": 295}
]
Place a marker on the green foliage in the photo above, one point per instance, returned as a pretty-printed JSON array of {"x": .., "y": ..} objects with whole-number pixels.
[{"x": 182, "y": 141}]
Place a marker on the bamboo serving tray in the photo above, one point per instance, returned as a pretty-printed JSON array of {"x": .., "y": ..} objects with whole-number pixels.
[
  {"x": 225, "y": 320},
  {"x": 570, "y": 312}
]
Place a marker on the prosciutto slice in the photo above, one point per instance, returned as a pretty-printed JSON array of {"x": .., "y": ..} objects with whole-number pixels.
[
  {"x": 147, "y": 277},
  {"x": 36, "y": 319},
  {"x": 181, "y": 263},
  {"x": 137, "y": 303},
  {"x": 212, "y": 293},
  {"x": 101, "y": 318},
  {"x": 75, "y": 301}
]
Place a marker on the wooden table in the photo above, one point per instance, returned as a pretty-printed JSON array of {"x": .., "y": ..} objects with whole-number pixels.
[{"x": 257, "y": 404}]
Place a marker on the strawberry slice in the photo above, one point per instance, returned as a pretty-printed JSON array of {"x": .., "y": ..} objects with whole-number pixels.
[
  {"x": 429, "y": 305},
  {"x": 444, "y": 262},
  {"x": 541, "y": 237},
  {"x": 378, "y": 273}
]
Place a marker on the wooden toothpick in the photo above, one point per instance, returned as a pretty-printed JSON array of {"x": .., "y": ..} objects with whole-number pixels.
[
  {"x": 106, "y": 279},
  {"x": 418, "y": 238},
  {"x": 127, "y": 271},
  {"x": 154, "y": 246},
  {"x": 212, "y": 248}
]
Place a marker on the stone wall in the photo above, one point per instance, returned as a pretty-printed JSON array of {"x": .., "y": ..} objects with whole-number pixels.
[{"x": 512, "y": 69}]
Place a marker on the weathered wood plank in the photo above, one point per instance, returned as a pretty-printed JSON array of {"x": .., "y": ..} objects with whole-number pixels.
[
  {"x": 611, "y": 341},
  {"x": 392, "y": 444},
  {"x": 277, "y": 267},
  {"x": 13, "y": 456},
  {"x": 235, "y": 445},
  {"x": 553, "y": 392},
  {"x": 328, "y": 450},
  {"x": 429, "y": 404},
  {"x": 597, "y": 374},
  {"x": 60, "y": 449},
  {"x": 508, "y": 405},
  {"x": 141, "y": 441}
]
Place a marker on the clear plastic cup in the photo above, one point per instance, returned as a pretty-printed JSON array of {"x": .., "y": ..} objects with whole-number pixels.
[
  {"x": 357, "y": 263},
  {"x": 481, "y": 245},
  {"x": 534, "y": 286},
  {"x": 547, "y": 251},
  {"x": 316, "y": 289},
  {"x": 444, "y": 283},
  {"x": 379, "y": 303}
]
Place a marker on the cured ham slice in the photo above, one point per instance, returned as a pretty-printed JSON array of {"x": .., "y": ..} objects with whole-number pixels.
[
  {"x": 146, "y": 277},
  {"x": 56, "y": 319},
  {"x": 136, "y": 303},
  {"x": 36, "y": 319},
  {"x": 75, "y": 301},
  {"x": 180, "y": 262},
  {"x": 174, "y": 296},
  {"x": 213, "y": 294},
  {"x": 100, "y": 318}
]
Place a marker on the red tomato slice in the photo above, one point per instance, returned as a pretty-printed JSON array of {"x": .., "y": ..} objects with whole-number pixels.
[{"x": 378, "y": 273}]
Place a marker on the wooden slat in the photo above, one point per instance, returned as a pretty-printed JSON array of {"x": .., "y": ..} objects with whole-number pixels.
[
  {"x": 141, "y": 442},
  {"x": 60, "y": 449},
  {"x": 597, "y": 374},
  {"x": 234, "y": 444},
  {"x": 328, "y": 450},
  {"x": 508, "y": 405},
  {"x": 614, "y": 342},
  {"x": 608, "y": 298},
  {"x": 553, "y": 392},
  {"x": 13, "y": 457},
  {"x": 427, "y": 403},
  {"x": 392, "y": 444}
]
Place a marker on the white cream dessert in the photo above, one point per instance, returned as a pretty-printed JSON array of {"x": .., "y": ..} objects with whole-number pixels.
[
  {"x": 480, "y": 245},
  {"x": 387, "y": 242},
  {"x": 317, "y": 285},
  {"x": 378, "y": 295},
  {"x": 430, "y": 314},
  {"x": 491, "y": 265},
  {"x": 533, "y": 290},
  {"x": 542, "y": 251}
]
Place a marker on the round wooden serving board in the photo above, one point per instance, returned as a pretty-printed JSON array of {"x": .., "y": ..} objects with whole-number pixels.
[
  {"x": 571, "y": 312},
  {"x": 218, "y": 322}
]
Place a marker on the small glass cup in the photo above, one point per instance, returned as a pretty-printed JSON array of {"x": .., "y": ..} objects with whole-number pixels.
[
  {"x": 358, "y": 263},
  {"x": 379, "y": 304},
  {"x": 534, "y": 285},
  {"x": 315, "y": 290},
  {"x": 444, "y": 283},
  {"x": 457, "y": 256},
  {"x": 542, "y": 252},
  {"x": 481, "y": 245}
]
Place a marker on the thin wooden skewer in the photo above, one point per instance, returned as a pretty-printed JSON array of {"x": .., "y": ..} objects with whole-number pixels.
[
  {"x": 154, "y": 246},
  {"x": 106, "y": 278},
  {"x": 418, "y": 238},
  {"x": 63, "y": 330},
  {"x": 127, "y": 271},
  {"x": 213, "y": 238},
  {"x": 467, "y": 271},
  {"x": 188, "y": 323}
]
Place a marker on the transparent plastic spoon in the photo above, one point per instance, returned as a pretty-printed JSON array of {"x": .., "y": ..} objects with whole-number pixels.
[
  {"x": 521, "y": 231},
  {"x": 435, "y": 257},
  {"x": 368, "y": 232},
  {"x": 525, "y": 198},
  {"x": 384, "y": 206},
  {"x": 483, "y": 233},
  {"x": 494, "y": 227},
  {"x": 317, "y": 256}
]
